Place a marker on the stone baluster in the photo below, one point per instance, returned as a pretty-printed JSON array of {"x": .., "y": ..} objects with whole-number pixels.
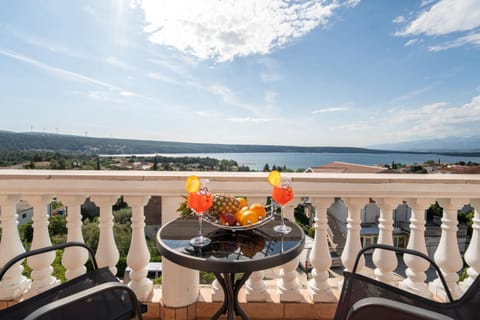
[
  {"x": 13, "y": 284},
  {"x": 472, "y": 256},
  {"x": 416, "y": 266},
  {"x": 138, "y": 255},
  {"x": 288, "y": 284},
  {"x": 353, "y": 243},
  {"x": 255, "y": 285},
  {"x": 74, "y": 258},
  {"x": 42, "y": 278},
  {"x": 107, "y": 254},
  {"x": 384, "y": 260},
  {"x": 447, "y": 255},
  {"x": 217, "y": 291},
  {"x": 320, "y": 258},
  {"x": 180, "y": 285}
]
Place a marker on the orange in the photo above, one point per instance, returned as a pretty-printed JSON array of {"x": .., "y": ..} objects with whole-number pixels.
[
  {"x": 259, "y": 209},
  {"x": 243, "y": 202},
  {"x": 248, "y": 217},
  {"x": 240, "y": 212}
]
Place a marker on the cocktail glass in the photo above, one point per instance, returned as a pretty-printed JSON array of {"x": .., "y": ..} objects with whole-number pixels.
[
  {"x": 282, "y": 194},
  {"x": 200, "y": 201}
]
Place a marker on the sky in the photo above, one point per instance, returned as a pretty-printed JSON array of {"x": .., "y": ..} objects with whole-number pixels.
[{"x": 307, "y": 73}]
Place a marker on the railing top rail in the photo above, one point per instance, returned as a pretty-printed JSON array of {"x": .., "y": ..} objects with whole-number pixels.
[{"x": 244, "y": 183}]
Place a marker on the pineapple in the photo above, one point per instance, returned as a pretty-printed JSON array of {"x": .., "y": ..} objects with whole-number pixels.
[{"x": 223, "y": 203}]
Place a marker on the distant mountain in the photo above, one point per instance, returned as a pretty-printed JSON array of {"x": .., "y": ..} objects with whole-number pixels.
[
  {"x": 443, "y": 145},
  {"x": 11, "y": 141}
]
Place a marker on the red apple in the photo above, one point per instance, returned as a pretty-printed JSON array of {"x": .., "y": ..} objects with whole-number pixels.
[{"x": 228, "y": 219}]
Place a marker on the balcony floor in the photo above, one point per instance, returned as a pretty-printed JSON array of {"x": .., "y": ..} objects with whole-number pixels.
[{"x": 272, "y": 309}]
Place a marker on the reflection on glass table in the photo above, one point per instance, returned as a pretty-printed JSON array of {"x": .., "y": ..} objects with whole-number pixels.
[{"x": 230, "y": 253}]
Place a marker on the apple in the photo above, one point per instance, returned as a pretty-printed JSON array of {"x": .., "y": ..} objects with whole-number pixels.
[{"x": 228, "y": 219}]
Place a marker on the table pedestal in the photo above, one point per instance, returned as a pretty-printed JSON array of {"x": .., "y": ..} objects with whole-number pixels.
[{"x": 231, "y": 288}]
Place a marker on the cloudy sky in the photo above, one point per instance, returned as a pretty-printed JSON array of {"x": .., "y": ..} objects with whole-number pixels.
[{"x": 313, "y": 73}]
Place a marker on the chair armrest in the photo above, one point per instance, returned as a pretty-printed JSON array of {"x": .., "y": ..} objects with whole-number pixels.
[
  {"x": 85, "y": 294},
  {"x": 381, "y": 308}
]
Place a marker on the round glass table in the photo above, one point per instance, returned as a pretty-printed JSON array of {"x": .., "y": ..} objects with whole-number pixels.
[{"x": 229, "y": 253}]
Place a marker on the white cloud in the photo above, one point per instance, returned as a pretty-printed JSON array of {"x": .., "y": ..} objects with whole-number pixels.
[
  {"x": 223, "y": 30},
  {"x": 70, "y": 75},
  {"x": 58, "y": 71},
  {"x": 127, "y": 94},
  {"x": 249, "y": 120},
  {"x": 45, "y": 43},
  {"x": 164, "y": 78},
  {"x": 399, "y": 19},
  {"x": 114, "y": 61},
  {"x": 351, "y": 3},
  {"x": 333, "y": 109},
  {"x": 411, "y": 42},
  {"x": 444, "y": 17},
  {"x": 230, "y": 97},
  {"x": 271, "y": 72},
  {"x": 473, "y": 39},
  {"x": 438, "y": 119},
  {"x": 270, "y": 97},
  {"x": 426, "y": 2}
]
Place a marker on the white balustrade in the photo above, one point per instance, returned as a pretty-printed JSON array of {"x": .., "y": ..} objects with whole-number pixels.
[
  {"x": 416, "y": 266},
  {"x": 288, "y": 284},
  {"x": 447, "y": 255},
  {"x": 107, "y": 254},
  {"x": 42, "y": 278},
  {"x": 255, "y": 285},
  {"x": 180, "y": 286},
  {"x": 320, "y": 258},
  {"x": 74, "y": 258},
  {"x": 353, "y": 243},
  {"x": 472, "y": 256},
  {"x": 384, "y": 260},
  {"x": 138, "y": 255},
  {"x": 13, "y": 284}
]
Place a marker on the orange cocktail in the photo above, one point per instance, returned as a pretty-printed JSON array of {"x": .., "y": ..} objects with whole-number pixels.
[
  {"x": 282, "y": 194},
  {"x": 199, "y": 201}
]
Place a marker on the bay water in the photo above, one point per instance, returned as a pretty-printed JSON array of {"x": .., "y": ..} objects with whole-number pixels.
[{"x": 304, "y": 160}]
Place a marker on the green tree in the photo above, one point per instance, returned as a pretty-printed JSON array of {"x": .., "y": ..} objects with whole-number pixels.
[
  {"x": 123, "y": 216},
  {"x": 57, "y": 225}
]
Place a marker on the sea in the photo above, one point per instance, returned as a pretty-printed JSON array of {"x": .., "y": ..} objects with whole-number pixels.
[{"x": 305, "y": 160}]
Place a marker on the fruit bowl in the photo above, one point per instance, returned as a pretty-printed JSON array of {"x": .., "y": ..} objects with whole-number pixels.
[{"x": 237, "y": 226}]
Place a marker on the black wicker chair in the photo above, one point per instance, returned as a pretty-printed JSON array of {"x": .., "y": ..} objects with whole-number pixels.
[
  {"x": 363, "y": 297},
  {"x": 96, "y": 294}
]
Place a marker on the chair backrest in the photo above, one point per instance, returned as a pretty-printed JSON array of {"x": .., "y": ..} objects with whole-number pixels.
[
  {"x": 96, "y": 294},
  {"x": 380, "y": 308},
  {"x": 357, "y": 287}
]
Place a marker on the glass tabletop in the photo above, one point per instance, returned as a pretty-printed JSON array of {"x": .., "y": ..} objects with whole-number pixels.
[{"x": 230, "y": 251}]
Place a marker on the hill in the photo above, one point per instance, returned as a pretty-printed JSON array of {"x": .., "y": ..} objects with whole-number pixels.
[
  {"x": 452, "y": 144},
  {"x": 16, "y": 141}
]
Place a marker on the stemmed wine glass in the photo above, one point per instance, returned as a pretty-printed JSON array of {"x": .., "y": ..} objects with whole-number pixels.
[
  {"x": 282, "y": 193},
  {"x": 199, "y": 200}
]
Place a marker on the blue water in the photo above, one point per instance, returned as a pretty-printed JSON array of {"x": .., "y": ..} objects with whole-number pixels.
[{"x": 294, "y": 160}]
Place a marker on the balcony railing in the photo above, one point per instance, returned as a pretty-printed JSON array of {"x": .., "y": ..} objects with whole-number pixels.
[{"x": 180, "y": 295}]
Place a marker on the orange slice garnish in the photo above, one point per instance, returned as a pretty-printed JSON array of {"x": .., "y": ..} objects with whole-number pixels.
[
  {"x": 192, "y": 184},
  {"x": 274, "y": 178}
]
